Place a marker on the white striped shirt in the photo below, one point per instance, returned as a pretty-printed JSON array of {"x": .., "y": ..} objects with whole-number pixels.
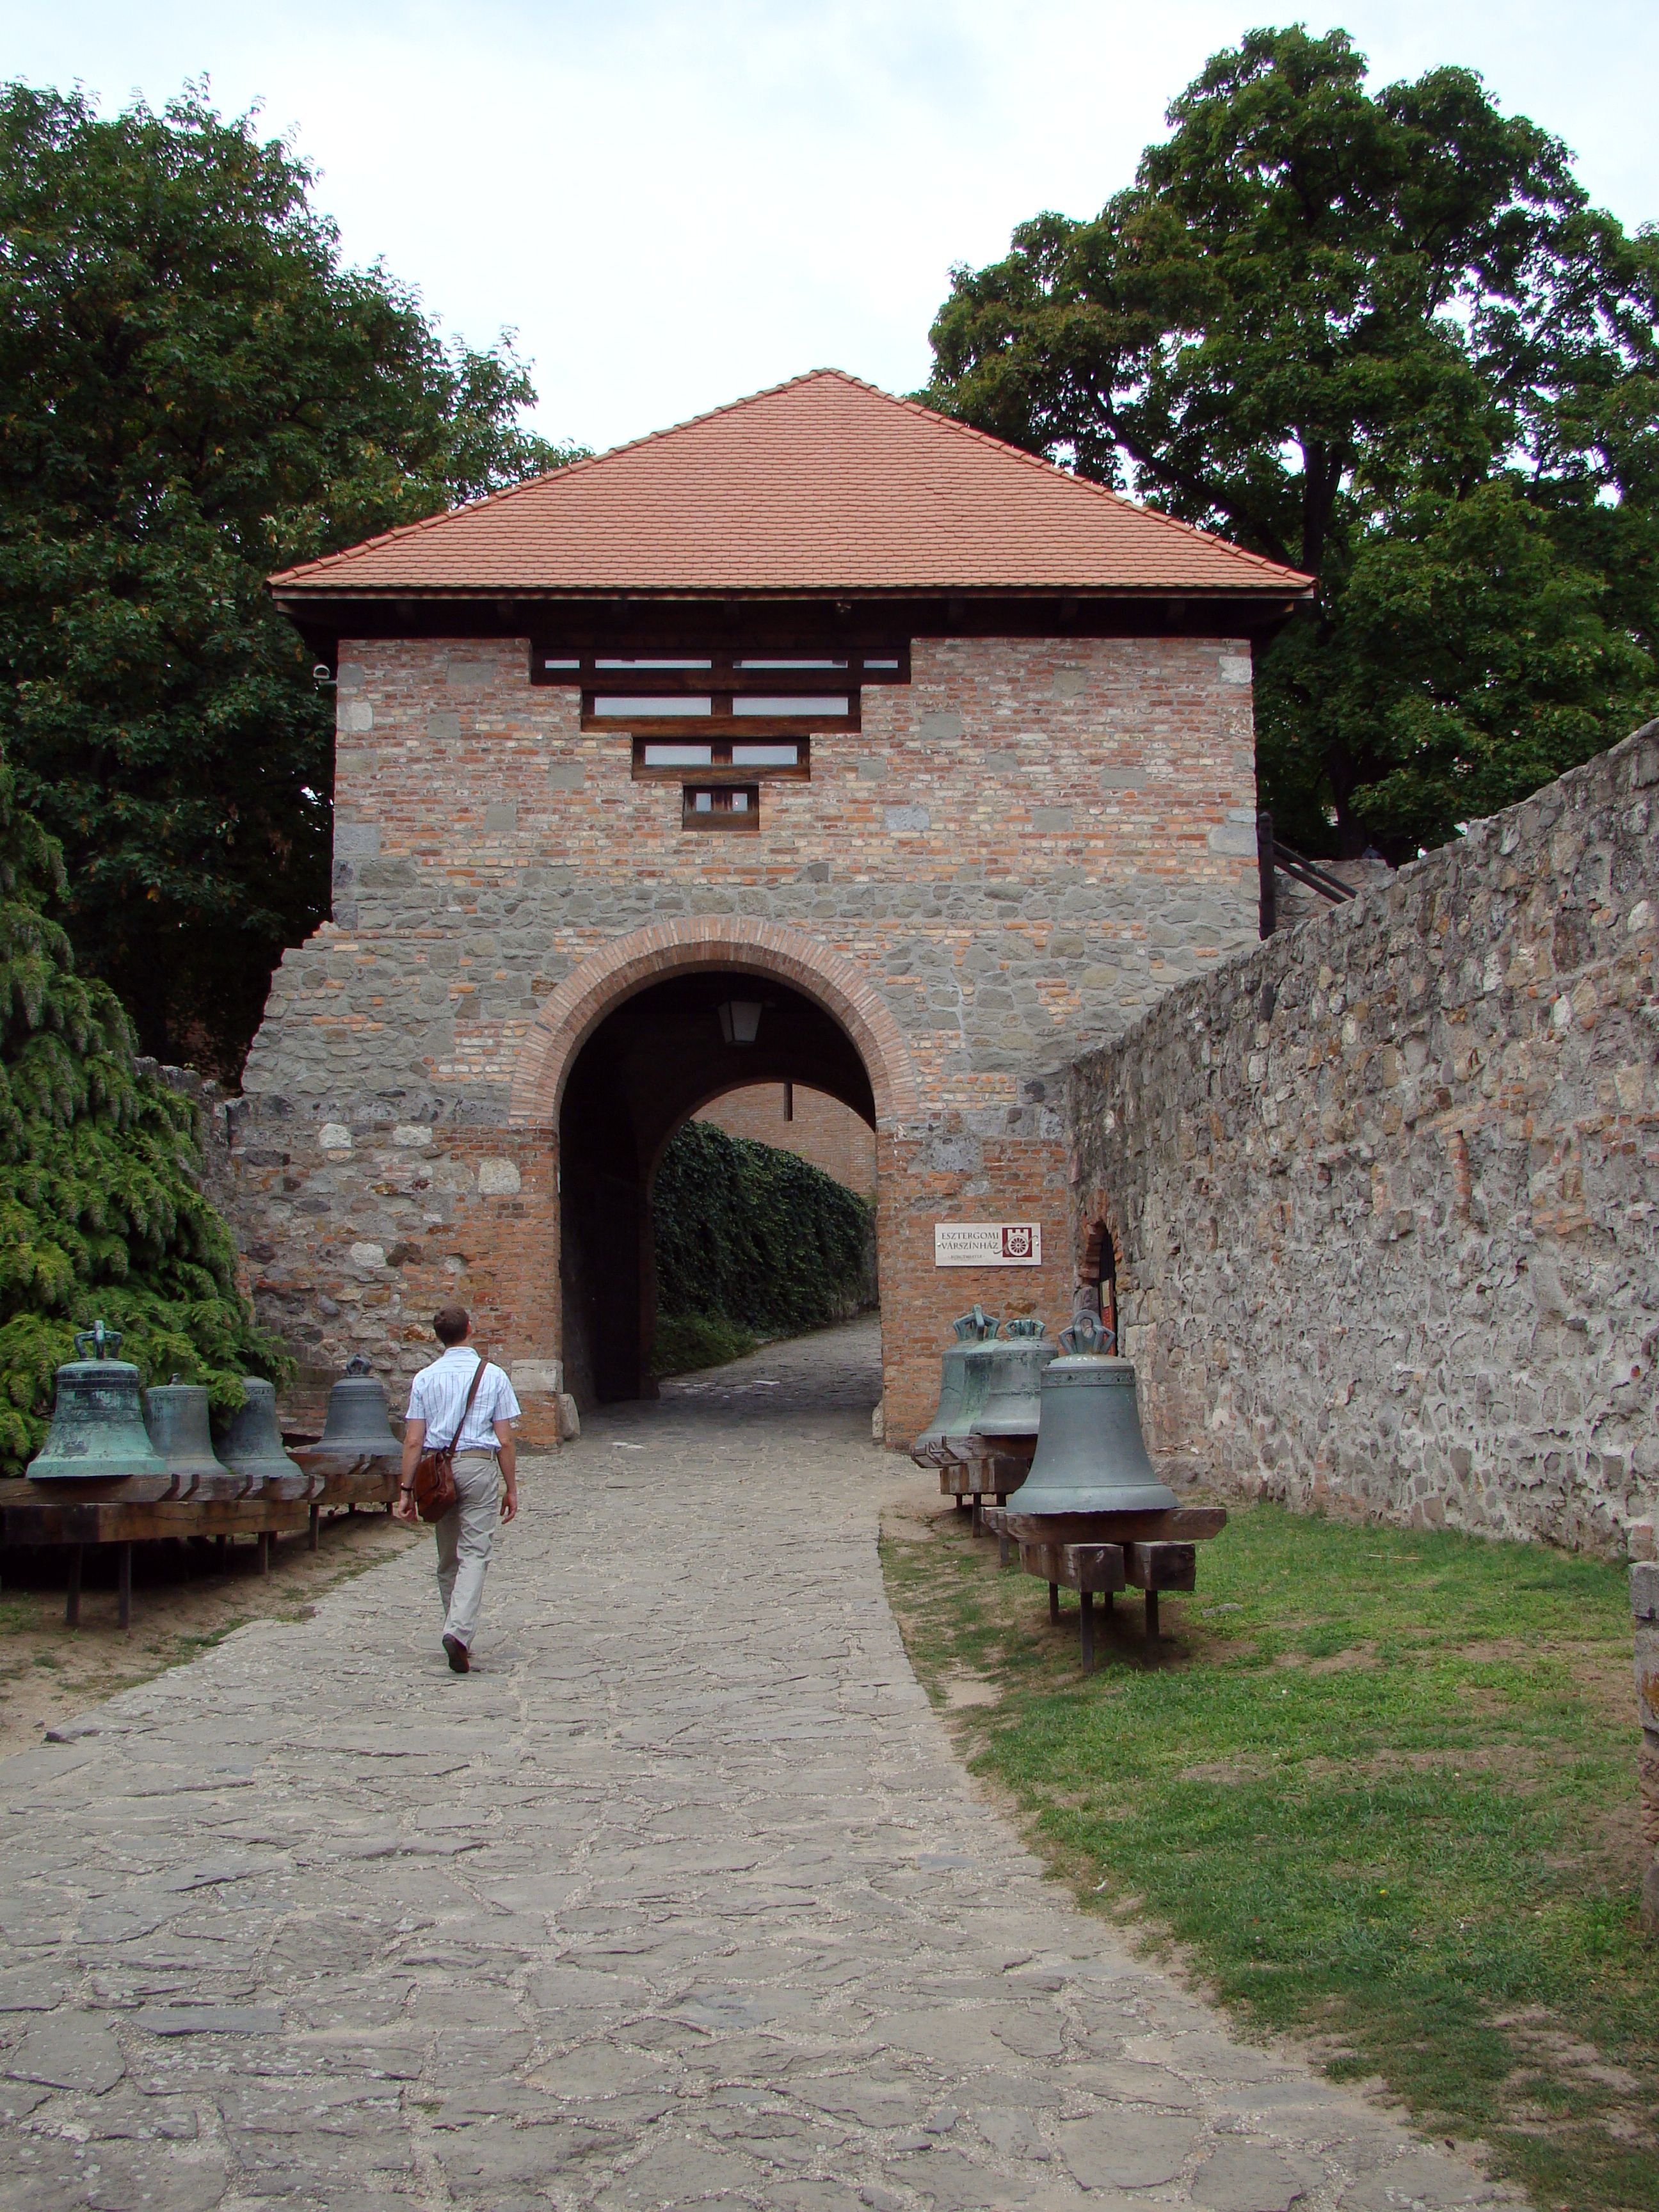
[{"x": 439, "y": 1392}]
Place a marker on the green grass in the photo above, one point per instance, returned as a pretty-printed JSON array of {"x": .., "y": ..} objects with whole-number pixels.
[{"x": 1381, "y": 1788}]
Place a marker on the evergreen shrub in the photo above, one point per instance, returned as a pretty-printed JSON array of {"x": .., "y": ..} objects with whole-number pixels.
[
  {"x": 102, "y": 1213},
  {"x": 753, "y": 1239}
]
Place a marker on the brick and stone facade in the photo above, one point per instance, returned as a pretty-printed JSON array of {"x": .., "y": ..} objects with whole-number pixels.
[
  {"x": 1015, "y": 805},
  {"x": 1384, "y": 1195},
  {"x": 1019, "y": 851}
]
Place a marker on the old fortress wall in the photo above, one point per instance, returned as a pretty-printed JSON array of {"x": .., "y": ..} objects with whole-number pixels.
[{"x": 1383, "y": 1192}]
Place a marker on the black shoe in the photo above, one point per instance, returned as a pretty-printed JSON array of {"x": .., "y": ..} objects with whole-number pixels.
[{"x": 459, "y": 1661}]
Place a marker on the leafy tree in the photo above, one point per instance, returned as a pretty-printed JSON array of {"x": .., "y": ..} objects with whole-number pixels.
[
  {"x": 101, "y": 1210},
  {"x": 194, "y": 392},
  {"x": 1383, "y": 337}
]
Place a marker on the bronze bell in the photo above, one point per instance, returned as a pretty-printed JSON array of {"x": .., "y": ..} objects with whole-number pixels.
[
  {"x": 98, "y": 1431},
  {"x": 956, "y": 1438},
  {"x": 972, "y": 1328},
  {"x": 357, "y": 1426},
  {"x": 253, "y": 1442},
  {"x": 178, "y": 1418},
  {"x": 1010, "y": 1404},
  {"x": 1090, "y": 1455}
]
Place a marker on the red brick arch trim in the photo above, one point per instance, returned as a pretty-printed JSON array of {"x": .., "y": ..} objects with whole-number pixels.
[{"x": 570, "y": 1014}]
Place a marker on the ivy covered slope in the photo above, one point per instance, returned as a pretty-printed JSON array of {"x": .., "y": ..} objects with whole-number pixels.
[
  {"x": 755, "y": 1243},
  {"x": 99, "y": 1211}
]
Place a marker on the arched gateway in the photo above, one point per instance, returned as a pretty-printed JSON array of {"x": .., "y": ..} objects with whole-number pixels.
[{"x": 933, "y": 761}]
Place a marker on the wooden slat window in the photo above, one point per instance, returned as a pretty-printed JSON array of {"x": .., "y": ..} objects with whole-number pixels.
[
  {"x": 716, "y": 693},
  {"x": 722, "y": 760},
  {"x": 720, "y": 807}
]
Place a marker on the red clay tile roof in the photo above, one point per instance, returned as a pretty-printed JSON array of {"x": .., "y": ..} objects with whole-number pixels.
[{"x": 822, "y": 485}]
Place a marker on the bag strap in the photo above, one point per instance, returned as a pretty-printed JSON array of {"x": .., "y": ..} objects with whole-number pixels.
[{"x": 448, "y": 1451}]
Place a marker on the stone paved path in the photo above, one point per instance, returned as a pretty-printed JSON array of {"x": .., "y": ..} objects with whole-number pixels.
[{"x": 682, "y": 1897}]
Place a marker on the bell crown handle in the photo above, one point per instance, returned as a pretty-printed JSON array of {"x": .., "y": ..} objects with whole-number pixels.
[
  {"x": 1087, "y": 1338},
  {"x": 975, "y": 1327},
  {"x": 1024, "y": 1328},
  {"x": 358, "y": 1365},
  {"x": 98, "y": 1342}
]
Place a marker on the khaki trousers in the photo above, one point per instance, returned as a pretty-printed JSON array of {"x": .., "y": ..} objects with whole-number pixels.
[{"x": 466, "y": 1536}]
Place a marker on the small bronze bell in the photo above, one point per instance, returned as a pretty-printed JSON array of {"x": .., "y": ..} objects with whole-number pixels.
[
  {"x": 357, "y": 1426},
  {"x": 253, "y": 1442},
  {"x": 1090, "y": 1455},
  {"x": 972, "y": 1328},
  {"x": 98, "y": 1432},
  {"x": 1011, "y": 1406},
  {"x": 178, "y": 1418}
]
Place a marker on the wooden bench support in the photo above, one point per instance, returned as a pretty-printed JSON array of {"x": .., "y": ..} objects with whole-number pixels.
[
  {"x": 1092, "y": 1570},
  {"x": 72, "y": 1515}
]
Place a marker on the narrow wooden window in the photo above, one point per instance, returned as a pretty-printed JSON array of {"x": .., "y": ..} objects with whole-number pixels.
[{"x": 720, "y": 807}]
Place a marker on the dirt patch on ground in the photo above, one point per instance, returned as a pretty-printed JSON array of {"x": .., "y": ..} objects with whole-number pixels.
[{"x": 181, "y": 1603}]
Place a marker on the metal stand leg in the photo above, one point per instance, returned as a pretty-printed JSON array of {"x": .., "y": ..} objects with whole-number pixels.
[
  {"x": 1106, "y": 1599},
  {"x": 72, "y": 1589},
  {"x": 978, "y": 1530},
  {"x": 265, "y": 1550},
  {"x": 312, "y": 1527},
  {"x": 123, "y": 1585},
  {"x": 1005, "y": 1550},
  {"x": 1152, "y": 1613},
  {"x": 219, "y": 1544},
  {"x": 1086, "y": 1629},
  {"x": 1054, "y": 1600}
]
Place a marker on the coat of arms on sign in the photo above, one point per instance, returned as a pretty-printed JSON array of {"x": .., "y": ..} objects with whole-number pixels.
[{"x": 988, "y": 1245}]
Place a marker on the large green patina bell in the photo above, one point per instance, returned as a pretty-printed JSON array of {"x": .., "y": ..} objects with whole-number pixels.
[
  {"x": 179, "y": 1421},
  {"x": 1015, "y": 1377},
  {"x": 970, "y": 1328},
  {"x": 98, "y": 1432},
  {"x": 1090, "y": 1455},
  {"x": 357, "y": 1426},
  {"x": 253, "y": 1442}
]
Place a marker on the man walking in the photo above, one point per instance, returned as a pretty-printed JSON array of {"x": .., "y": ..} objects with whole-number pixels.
[{"x": 480, "y": 1433}]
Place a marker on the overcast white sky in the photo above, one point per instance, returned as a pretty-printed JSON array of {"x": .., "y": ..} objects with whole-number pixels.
[{"x": 675, "y": 204}]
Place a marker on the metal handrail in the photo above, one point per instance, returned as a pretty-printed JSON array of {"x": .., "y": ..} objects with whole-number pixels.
[{"x": 1273, "y": 859}]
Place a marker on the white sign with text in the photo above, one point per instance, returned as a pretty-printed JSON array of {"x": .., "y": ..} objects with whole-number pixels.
[{"x": 988, "y": 1245}]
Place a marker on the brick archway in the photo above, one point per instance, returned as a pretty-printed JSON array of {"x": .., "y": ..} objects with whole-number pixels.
[{"x": 627, "y": 964}]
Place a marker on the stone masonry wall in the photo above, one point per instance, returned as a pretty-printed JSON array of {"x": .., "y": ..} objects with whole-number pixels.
[
  {"x": 1022, "y": 848},
  {"x": 1385, "y": 1192}
]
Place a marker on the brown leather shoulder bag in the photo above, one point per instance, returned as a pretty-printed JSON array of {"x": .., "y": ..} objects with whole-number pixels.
[{"x": 435, "y": 1493}]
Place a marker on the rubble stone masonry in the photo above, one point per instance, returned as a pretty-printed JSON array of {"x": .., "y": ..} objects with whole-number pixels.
[
  {"x": 1384, "y": 1194},
  {"x": 1019, "y": 852}
]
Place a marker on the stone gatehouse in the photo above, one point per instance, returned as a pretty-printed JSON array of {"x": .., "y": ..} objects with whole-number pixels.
[{"x": 818, "y": 740}]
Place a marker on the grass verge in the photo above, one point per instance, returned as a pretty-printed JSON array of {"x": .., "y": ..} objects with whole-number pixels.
[{"x": 1380, "y": 1786}]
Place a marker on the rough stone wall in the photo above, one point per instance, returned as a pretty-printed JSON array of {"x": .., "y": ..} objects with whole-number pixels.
[
  {"x": 823, "y": 1131},
  {"x": 1383, "y": 1192},
  {"x": 1021, "y": 849}
]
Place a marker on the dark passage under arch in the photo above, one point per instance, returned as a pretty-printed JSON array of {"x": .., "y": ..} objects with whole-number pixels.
[{"x": 654, "y": 1059}]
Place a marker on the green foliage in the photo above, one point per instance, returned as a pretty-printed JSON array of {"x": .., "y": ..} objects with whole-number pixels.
[
  {"x": 1383, "y": 337},
  {"x": 751, "y": 1236},
  {"x": 193, "y": 393},
  {"x": 1380, "y": 1785},
  {"x": 685, "y": 1342},
  {"x": 100, "y": 1213}
]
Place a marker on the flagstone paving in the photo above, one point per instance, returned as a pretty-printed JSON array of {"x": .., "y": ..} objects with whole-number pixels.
[{"x": 682, "y": 1897}]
